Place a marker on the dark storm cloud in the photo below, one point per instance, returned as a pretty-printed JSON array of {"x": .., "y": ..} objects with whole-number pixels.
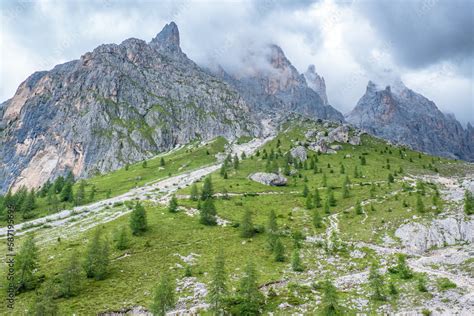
[{"x": 424, "y": 32}]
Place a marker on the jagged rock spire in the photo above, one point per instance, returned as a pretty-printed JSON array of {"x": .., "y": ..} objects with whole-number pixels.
[
  {"x": 316, "y": 82},
  {"x": 167, "y": 41}
]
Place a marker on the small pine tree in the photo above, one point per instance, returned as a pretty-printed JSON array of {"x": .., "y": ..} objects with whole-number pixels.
[
  {"x": 390, "y": 178},
  {"x": 218, "y": 290},
  {"x": 121, "y": 238},
  {"x": 309, "y": 201},
  {"x": 164, "y": 297},
  {"x": 66, "y": 193},
  {"x": 26, "y": 265},
  {"x": 194, "y": 192},
  {"x": 208, "y": 213},
  {"x": 330, "y": 299},
  {"x": 279, "y": 251},
  {"x": 358, "y": 208},
  {"x": 345, "y": 191},
  {"x": 343, "y": 169},
  {"x": 363, "y": 162},
  {"x": 272, "y": 230},
  {"x": 372, "y": 190},
  {"x": 331, "y": 198},
  {"x": 246, "y": 227},
  {"x": 97, "y": 259},
  {"x": 325, "y": 180},
  {"x": 162, "y": 162},
  {"x": 317, "y": 198},
  {"x": 326, "y": 207},
  {"x": 305, "y": 190},
  {"x": 317, "y": 219},
  {"x": 138, "y": 220},
  {"x": 468, "y": 202},
  {"x": 392, "y": 289},
  {"x": 71, "y": 277},
  {"x": 402, "y": 268},
  {"x": 81, "y": 193},
  {"x": 236, "y": 162},
  {"x": 420, "y": 207},
  {"x": 173, "y": 204},
  {"x": 296, "y": 264},
  {"x": 421, "y": 284},
  {"x": 92, "y": 193},
  {"x": 376, "y": 283},
  {"x": 249, "y": 296},
  {"x": 207, "y": 189},
  {"x": 144, "y": 164},
  {"x": 44, "y": 303}
]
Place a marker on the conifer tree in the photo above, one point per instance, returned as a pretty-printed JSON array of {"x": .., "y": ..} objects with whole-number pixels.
[
  {"x": 71, "y": 277},
  {"x": 121, "y": 238},
  {"x": 208, "y": 213},
  {"x": 326, "y": 207},
  {"x": 250, "y": 297},
  {"x": 358, "y": 208},
  {"x": 164, "y": 297},
  {"x": 372, "y": 190},
  {"x": 44, "y": 303},
  {"x": 246, "y": 227},
  {"x": 218, "y": 290},
  {"x": 66, "y": 193},
  {"x": 325, "y": 180},
  {"x": 194, "y": 192},
  {"x": 97, "y": 259},
  {"x": 345, "y": 190},
  {"x": 162, "y": 162},
  {"x": 279, "y": 251},
  {"x": 207, "y": 189},
  {"x": 330, "y": 300},
  {"x": 29, "y": 203},
  {"x": 468, "y": 203},
  {"x": 144, "y": 164},
  {"x": 390, "y": 178},
  {"x": 402, "y": 268},
  {"x": 236, "y": 162},
  {"x": 272, "y": 230},
  {"x": 309, "y": 201},
  {"x": 331, "y": 198},
  {"x": 356, "y": 172},
  {"x": 343, "y": 169},
  {"x": 317, "y": 219},
  {"x": 317, "y": 198},
  {"x": 173, "y": 204},
  {"x": 420, "y": 207},
  {"x": 376, "y": 283},
  {"x": 26, "y": 265},
  {"x": 296, "y": 261},
  {"x": 138, "y": 220},
  {"x": 305, "y": 190},
  {"x": 92, "y": 193},
  {"x": 81, "y": 193}
]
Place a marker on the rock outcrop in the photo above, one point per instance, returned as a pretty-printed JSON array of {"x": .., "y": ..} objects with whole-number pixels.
[
  {"x": 269, "y": 178},
  {"x": 299, "y": 152},
  {"x": 115, "y": 105},
  {"x": 316, "y": 82},
  {"x": 403, "y": 116},
  {"x": 418, "y": 238}
]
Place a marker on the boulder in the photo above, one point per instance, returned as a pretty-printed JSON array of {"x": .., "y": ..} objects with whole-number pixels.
[
  {"x": 299, "y": 152},
  {"x": 269, "y": 178}
]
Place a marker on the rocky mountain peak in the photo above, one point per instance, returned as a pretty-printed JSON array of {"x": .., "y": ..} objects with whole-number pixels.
[
  {"x": 167, "y": 41},
  {"x": 277, "y": 57},
  {"x": 316, "y": 82},
  {"x": 401, "y": 115}
]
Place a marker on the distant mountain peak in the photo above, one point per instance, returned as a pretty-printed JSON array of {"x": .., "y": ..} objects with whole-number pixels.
[
  {"x": 316, "y": 82},
  {"x": 167, "y": 41}
]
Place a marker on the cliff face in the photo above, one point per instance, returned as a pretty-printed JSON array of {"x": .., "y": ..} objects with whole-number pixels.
[
  {"x": 276, "y": 86},
  {"x": 118, "y": 104},
  {"x": 404, "y": 116}
]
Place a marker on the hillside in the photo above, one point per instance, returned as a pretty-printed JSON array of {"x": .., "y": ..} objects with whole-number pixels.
[{"x": 377, "y": 202}]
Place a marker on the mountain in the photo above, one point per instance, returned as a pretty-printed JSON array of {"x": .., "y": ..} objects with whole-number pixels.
[
  {"x": 316, "y": 82},
  {"x": 117, "y": 104},
  {"x": 403, "y": 116},
  {"x": 274, "y": 85}
]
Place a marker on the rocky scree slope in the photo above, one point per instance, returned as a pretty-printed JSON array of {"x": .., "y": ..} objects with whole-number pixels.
[
  {"x": 401, "y": 115},
  {"x": 117, "y": 104},
  {"x": 273, "y": 85}
]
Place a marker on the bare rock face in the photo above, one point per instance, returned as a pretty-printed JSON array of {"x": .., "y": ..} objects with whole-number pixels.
[
  {"x": 419, "y": 238},
  {"x": 316, "y": 83},
  {"x": 405, "y": 117},
  {"x": 269, "y": 178},
  {"x": 299, "y": 152},
  {"x": 115, "y": 105},
  {"x": 274, "y": 85}
]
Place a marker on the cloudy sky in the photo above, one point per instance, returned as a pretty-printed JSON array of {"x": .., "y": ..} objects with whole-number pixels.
[{"x": 429, "y": 44}]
